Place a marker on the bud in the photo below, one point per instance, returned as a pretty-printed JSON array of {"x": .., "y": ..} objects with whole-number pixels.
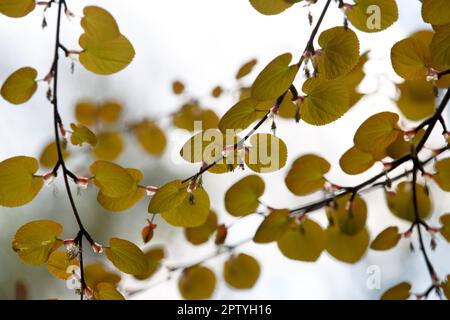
[
  {"x": 221, "y": 234},
  {"x": 148, "y": 232},
  {"x": 96, "y": 247},
  {"x": 49, "y": 178},
  {"x": 192, "y": 185},
  {"x": 432, "y": 75},
  {"x": 346, "y": 7},
  {"x": 151, "y": 190},
  {"x": 82, "y": 182},
  {"x": 72, "y": 248}
]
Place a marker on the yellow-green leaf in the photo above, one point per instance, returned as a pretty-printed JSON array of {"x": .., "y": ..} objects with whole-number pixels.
[
  {"x": 270, "y": 7},
  {"x": 400, "y": 291},
  {"x": 440, "y": 45},
  {"x": 126, "y": 256},
  {"x": 349, "y": 249},
  {"x": 113, "y": 180},
  {"x": 411, "y": 59},
  {"x": 96, "y": 273},
  {"x": 355, "y": 161},
  {"x": 201, "y": 234},
  {"x": 307, "y": 174},
  {"x": 275, "y": 79},
  {"x": 109, "y": 112},
  {"x": 267, "y": 153},
  {"x": 445, "y": 230},
  {"x": 192, "y": 212},
  {"x": 387, "y": 239},
  {"x": 442, "y": 175},
  {"x": 272, "y": 227},
  {"x": 99, "y": 23},
  {"x": 197, "y": 283},
  {"x": 242, "y": 198},
  {"x": 168, "y": 197},
  {"x": 241, "y": 271},
  {"x": 18, "y": 183},
  {"x": 154, "y": 257},
  {"x": 49, "y": 156},
  {"x": 86, "y": 112},
  {"x": 109, "y": 145},
  {"x": 401, "y": 202},
  {"x": 350, "y": 218},
  {"x": 20, "y": 86},
  {"x": 82, "y": 134},
  {"x": 417, "y": 99},
  {"x": 246, "y": 69},
  {"x": 150, "y": 137},
  {"x": 436, "y": 11},
  {"x": 17, "y": 8},
  {"x": 304, "y": 241},
  {"x": 373, "y": 15},
  {"x": 35, "y": 240},
  {"x": 243, "y": 114},
  {"x": 59, "y": 265},
  {"x": 107, "y": 291}
]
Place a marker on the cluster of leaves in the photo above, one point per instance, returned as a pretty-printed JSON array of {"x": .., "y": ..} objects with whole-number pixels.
[{"x": 332, "y": 72}]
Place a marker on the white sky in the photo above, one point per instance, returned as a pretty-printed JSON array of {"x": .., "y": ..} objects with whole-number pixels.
[{"x": 203, "y": 42}]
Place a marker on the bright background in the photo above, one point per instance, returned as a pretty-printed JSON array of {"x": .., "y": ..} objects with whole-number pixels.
[{"x": 201, "y": 42}]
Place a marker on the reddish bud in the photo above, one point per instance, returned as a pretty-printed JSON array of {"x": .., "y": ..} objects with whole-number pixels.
[
  {"x": 148, "y": 232},
  {"x": 221, "y": 234},
  {"x": 151, "y": 190},
  {"x": 97, "y": 247}
]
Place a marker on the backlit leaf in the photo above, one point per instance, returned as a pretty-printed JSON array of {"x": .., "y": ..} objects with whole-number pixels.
[
  {"x": 355, "y": 161},
  {"x": 417, "y": 100},
  {"x": 109, "y": 112},
  {"x": 168, "y": 197},
  {"x": 400, "y": 291},
  {"x": 99, "y": 23},
  {"x": 96, "y": 273},
  {"x": 401, "y": 202},
  {"x": 197, "y": 283},
  {"x": 242, "y": 198},
  {"x": 244, "y": 113},
  {"x": 349, "y": 249},
  {"x": 350, "y": 218},
  {"x": 217, "y": 92},
  {"x": 241, "y": 271},
  {"x": 18, "y": 184},
  {"x": 304, "y": 242},
  {"x": 201, "y": 234},
  {"x": 267, "y": 153},
  {"x": 109, "y": 145},
  {"x": 150, "y": 137},
  {"x": 270, "y": 7},
  {"x": 272, "y": 227},
  {"x": 440, "y": 45},
  {"x": 17, "y": 8},
  {"x": 402, "y": 147},
  {"x": 373, "y": 15},
  {"x": 86, "y": 113},
  {"x": 387, "y": 239},
  {"x": 411, "y": 59},
  {"x": 34, "y": 241},
  {"x": 442, "y": 175},
  {"x": 82, "y": 134},
  {"x": 154, "y": 257},
  {"x": 445, "y": 230},
  {"x": 49, "y": 156},
  {"x": 20, "y": 86},
  {"x": 436, "y": 11},
  {"x": 113, "y": 180},
  {"x": 246, "y": 69},
  {"x": 307, "y": 174},
  {"x": 59, "y": 265},
  {"x": 275, "y": 79},
  {"x": 189, "y": 113},
  {"x": 107, "y": 291},
  {"x": 126, "y": 256}
]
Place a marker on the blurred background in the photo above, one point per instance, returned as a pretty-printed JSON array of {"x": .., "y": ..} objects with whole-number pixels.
[{"x": 202, "y": 43}]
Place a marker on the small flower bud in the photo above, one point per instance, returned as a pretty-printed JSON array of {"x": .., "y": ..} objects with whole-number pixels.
[
  {"x": 49, "y": 178},
  {"x": 97, "y": 248},
  {"x": 221, "y": 234},
  {"x": 151, "y": 190},
  {"x": 82, "y": 182}
]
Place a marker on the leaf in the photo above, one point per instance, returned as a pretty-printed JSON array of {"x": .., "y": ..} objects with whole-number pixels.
[
  {"x": 246, "y": 69},
  {"x": 82, "y": 134},
  {"x": 445, "y": 286},
  {"x": 86, "y": 112},
  {"x": 96, "y": 273},
  {"x": 377, "y": 133},
  {"x": 105, "y": 57},
  {"x": 401, "y": 202},
  {"x": 109, "y": 145},
  {"x": 197, "y": 283},
  {"x": 387, "y": 239},
  {"x": 243, "y": 114},
  {"x": 217, "y": 92},
  {"x": 417, "y": 100},
  {"x": 49, "y": 156},
  {"x": 349, "y": 249},
  {"x": 373, "y": 15},
  {"x": 275, "y": 79},
  {"x": 20, "y": 86},
  {"x": 326, "y": 101},
  {"x": 99, "y": 23},
  {"x": 272, "y": 227},
  {"x": 59, "y": 264},
  {"x": 400, "y": 291},
  {"x": 355, "y": 161},
  {"x": 168, "y": 197},
  {"x": 304, "y": 241},
  {"x": 242, "y": 198},
  {"x": 442, "y": 175},
  {"x": 350, "y": 218},
  {"x": 307, "y": 174},
  {"x": 125, "y": 202},
  {"x": 288, "y": 109},
  {"x": 201, "y": 234},
  {"x": 192, "y": 212},
  {"x": 177, "y": 87},
  {"x": 18, "y": 183},
  {"x": 270, "y": 7},
  {"x": 440, "y": 45},
  {"x": 401, "y": 147},
  {"x": 436, "y": 11},
  {"x": 241, "y": 271},
  {"x": 411, "y": 59},
  {"x": 107, "y": 291},
  {"x": 17, "y": 8},
  {"x": 445, "y": 230},
  {"x": 36, "y": 240},
  {"x": 150, "y": 137},
  {"x": 339, "y": 53},
  {"x": 267, "y": 153},
  {"x": 126, "y": 256},
  {"x": 109, "y": 112},
  {"x": 154, "y": 257},
  {"x": 113, "y": 180},
  {"x": 189, "y": 113}
]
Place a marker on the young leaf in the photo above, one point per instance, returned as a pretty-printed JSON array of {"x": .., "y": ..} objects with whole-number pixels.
[
  {"x": 168, "y": 197},
  {"x": 86, "y": 113},
  {"x": 246, "y": 69},
  {"x": 272, "y": 227},
  {"x": 401, "y": 202},
  {"x": 411, "y": 59},
  {"x": 82, "y": 134},
  {"x": 417, "y": 100},
  {"x": 201, "y": 234},
  {"x": 266, "y": 154},
  {"x": 49, "y": 156},
  {"x": 387, "y": 239},
  {"x": 270, "y": 7},
  {"x": 275, "y": 79},
  {"x": 241, "y": 271},
  {"x": 59, "y": 264},
  {"x": 440, "y": 45},
  {"x": 339, "y": 53},
  {"x": 350, "y": 218},
  {"x": 197, "y": 283},
  {"x": 326, "y": 101},
  {"x": 154, "y": 257},
  {"x": 107, "y": 291},
  {"x": 192, "y": 212},
  {"x": 109, "y": 146},
  {"x": 436, "y": 11},
  {"x": 96, "y": 273},
  {"x": 242, "y": 198},
  {"x": 307, "y": 174},
  {"x": 112, "y": 180},
  {"x": 126, "y": 256},
  {"x": 99, "y": 23},
  {"x": 349, "y": 249},
  {"x": 442, "y": 175},
  {"x": 243, "y": 114},
  {"x": 109, "y": 112},
  {"x": 304, "y": 242},
  {"x": 355, "y": 161},
  {"x": 17, "y": 8},
  {"x": 399, "y": 292},
  {"x": 445, "y": 230},
  {"x": 150, "y": 137},
  {"x": 35, "y": 240},
  {"x": 18, "y": 184},
  {"x": 20, "y": 86},
  {"x": 401, "y": 147},
  {"x": 373, "y": 15}
]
